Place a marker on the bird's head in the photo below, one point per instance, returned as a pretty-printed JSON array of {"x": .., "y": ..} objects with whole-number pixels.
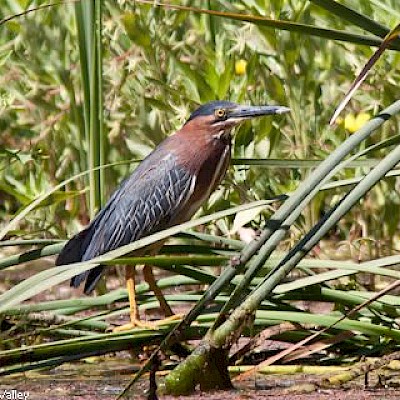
[{"x": 219, "y": 117}]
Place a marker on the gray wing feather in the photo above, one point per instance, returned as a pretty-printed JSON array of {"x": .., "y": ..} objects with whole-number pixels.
[{"x": 145, "y": 203}]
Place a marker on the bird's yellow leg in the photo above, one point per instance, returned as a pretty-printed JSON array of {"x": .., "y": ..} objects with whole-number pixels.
[
  {"x": 149, "y": 278},
  {"x": 133, "y": 307}
]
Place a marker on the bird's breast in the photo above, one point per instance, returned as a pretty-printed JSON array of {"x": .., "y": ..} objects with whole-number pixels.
[{"x": 208, "y": 163}]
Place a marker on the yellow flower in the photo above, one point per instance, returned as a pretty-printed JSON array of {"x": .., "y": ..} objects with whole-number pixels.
[
  {"x": 353, "y": 124},
  {"x": 240, "y": 67}
]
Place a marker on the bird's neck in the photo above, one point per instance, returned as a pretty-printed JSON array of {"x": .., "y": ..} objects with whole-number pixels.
[
  {"x": 196, "y": 148},
  {"x": 206, "y": 158}
]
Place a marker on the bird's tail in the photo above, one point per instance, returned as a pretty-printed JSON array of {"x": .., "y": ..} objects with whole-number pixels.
[
  {"x": 74, "y": 249},
  {"x": 73, "y": 252}
]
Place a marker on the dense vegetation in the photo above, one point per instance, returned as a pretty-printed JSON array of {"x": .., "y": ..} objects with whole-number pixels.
[{"x": 157, "y": 65}]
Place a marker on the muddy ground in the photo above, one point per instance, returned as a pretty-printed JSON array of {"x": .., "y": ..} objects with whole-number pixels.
[
  {"x": 104, "y": 381},
  {"x": 103, "y": 378}
]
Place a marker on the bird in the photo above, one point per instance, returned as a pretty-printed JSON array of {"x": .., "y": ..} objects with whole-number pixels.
[{"x": 164, "y": 190}]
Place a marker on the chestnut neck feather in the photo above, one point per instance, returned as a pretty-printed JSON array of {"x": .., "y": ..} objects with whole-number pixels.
[
  {"x": 206, "y": 157},
  {"x": 197, "y": 144}
]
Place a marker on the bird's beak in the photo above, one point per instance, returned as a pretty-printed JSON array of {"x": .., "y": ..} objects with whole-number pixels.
[{"x": 240, "y": 113}]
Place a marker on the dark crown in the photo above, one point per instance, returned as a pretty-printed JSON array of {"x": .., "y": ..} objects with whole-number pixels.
[{"x": 209, "y": 108}]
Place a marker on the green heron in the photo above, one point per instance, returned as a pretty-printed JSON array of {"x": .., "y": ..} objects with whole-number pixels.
[{"x": 166, "y": 189}]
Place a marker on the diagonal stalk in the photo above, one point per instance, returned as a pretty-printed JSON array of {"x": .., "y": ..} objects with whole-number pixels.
[
  {"x": 231, "y": 269},
  {"x": 305, "y": 29},
  {"x": 257, "y": 262},
  {"x": 304, "y": 246},
  {"x": 217, "y": 337},
  {"x": 280, "y": 222},
  {"x": 352, "y": 16}
]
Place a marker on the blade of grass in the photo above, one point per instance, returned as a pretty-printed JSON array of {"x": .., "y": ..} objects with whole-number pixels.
[
  {"x": 298, "y": 164},
  {"x": 89, "y": 23},
  {"x": 350, "y": 15},
  {"x": 330, "y": 34},
  {"x": 30, "y": 242},
  {"x": 46, "y": 279}
]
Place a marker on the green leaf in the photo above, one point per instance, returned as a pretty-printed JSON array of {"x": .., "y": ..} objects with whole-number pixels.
[{"x": 330, "y": 34}]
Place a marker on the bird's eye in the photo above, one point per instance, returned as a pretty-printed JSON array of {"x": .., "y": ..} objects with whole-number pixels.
[{"x": 220, "y": 113}]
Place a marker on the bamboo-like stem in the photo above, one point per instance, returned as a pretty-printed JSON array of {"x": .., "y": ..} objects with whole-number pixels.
[
  {"x": 292, "y": 208},
  {"x": 318, "y": 231},
  {"x": 290, "y": 369},
  {"x": 45, "y": 251},
  {"x": 55, "y": 319},
  {"x": 268, "y": 239},
  {"x": 361, "y": 368},
  {"x": 101, "y": 134},
  {"x": 183, "y": 375}
]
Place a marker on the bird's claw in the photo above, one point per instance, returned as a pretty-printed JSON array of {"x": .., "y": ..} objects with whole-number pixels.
[{"x": 136, "y": 323}]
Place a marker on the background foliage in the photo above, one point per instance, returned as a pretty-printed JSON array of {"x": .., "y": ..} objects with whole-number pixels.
[{"x": 158, "y": 65}]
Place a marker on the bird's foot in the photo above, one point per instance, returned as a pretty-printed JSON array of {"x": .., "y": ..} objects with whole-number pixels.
[
  {"x": 171, "y": 318},
  {"x": 137, "y": 323}
]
